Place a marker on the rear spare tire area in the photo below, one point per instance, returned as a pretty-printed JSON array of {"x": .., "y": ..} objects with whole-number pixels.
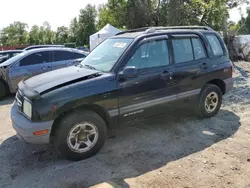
[
  {"x": 210, "y": 100},
  {"x": 80, "y": 135}
]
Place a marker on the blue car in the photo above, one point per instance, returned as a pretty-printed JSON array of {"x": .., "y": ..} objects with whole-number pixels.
[
  {"x": 34, "y": 62},
  {"x": 43, "y": 46}
]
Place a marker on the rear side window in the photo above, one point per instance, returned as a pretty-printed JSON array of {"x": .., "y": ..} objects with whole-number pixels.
[
  {"x": 199, "y": 51},
  {"x": 215, "y": 44},
  {"x": 65, "y": 55},
  {"x": 36, "y": 58},
  {"x": 183, "y": 51}
]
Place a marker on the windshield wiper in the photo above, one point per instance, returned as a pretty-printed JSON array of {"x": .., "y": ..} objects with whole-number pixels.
[{"x": 89, "y": 66}]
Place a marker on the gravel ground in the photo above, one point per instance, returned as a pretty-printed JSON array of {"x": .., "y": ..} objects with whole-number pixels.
[{"x": 173, "y": 150}]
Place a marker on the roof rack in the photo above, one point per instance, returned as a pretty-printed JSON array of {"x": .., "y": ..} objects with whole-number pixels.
[
  {"x": 153, "y": 29},
  {"x": 134, "y": 30}
]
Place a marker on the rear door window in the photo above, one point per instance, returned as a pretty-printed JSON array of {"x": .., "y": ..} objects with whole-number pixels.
[
  {"x": 66, "y": 55},
  {"x": 36, "y": 58},
  {"x": 183, "y": 51},
  {"x": 215, "y": 44},
  {"x": 199, "y": 50}
]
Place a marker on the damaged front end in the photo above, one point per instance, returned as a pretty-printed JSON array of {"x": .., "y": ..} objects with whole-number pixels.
[{"x": 34, "y": 93}]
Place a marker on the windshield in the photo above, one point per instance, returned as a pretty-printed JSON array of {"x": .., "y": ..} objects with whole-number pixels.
[
  {"x": 13, "y": 59},
  {"x": 104, "y": 56}
]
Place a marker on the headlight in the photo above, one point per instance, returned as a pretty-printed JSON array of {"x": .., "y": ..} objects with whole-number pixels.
[{"x": 27, "y": 108}]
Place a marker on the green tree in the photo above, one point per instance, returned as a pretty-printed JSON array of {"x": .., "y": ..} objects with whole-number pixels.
[
  {"x": 176, "y": 8},
  {"x": 62, "y": 35},
  {"x": 87, "y": 24},
  {"x": 48, "y": 34},
  {"x": 113, "y": 12},
  {"x": 140, "y": 13},
  {"x": 34, "y": 35},
  {"x": 247, "y": 22},
  {"x": 73, "y": 31},
  {"x": 15, "y": 34}
]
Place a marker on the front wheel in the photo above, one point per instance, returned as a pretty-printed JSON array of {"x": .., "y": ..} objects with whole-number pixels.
[
  {"x": 80, "y": 135},
  {"x": 209, "y": 101}
]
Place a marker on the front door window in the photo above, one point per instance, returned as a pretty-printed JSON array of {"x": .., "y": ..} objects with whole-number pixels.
[{"x": 150, "y": 55}]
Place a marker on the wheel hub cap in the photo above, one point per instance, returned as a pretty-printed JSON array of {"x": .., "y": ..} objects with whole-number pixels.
[
  {"x": 211, "y": 102},
  {"x": 82, "y": 137}
]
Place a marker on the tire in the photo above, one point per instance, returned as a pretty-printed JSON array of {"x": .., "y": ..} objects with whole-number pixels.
[
  {"x": 68, "y": 126},
  {"x": 3, "y": 89},
  {"x": 209, "y": 90}
]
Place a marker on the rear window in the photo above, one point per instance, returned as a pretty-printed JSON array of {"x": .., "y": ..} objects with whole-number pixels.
[{"x": 215, "y": 44}]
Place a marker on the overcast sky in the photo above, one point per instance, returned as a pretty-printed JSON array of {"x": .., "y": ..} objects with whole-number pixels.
[{"x": 56, "y": 12}]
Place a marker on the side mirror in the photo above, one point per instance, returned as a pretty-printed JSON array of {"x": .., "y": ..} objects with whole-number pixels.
[{"x": 128, "y": 72}]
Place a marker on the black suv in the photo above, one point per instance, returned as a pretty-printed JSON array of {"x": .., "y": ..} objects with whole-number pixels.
[{"x": 133, "y": 75}]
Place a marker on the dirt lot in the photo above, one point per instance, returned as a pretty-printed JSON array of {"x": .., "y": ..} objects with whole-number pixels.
[{"x": 173, "y": 150}]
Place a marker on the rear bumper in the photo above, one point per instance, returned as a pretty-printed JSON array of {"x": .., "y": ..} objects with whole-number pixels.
[
  {"x": 229, "y": 84},
  {"x": 25, "y": 128}
]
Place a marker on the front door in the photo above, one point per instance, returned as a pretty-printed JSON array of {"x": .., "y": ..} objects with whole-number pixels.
[
  {"x": 148, "y": 93},
  {"x": 29, "y": 66}
]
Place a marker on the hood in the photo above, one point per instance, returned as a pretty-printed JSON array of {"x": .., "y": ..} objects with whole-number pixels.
[{"x": 55, "y": 79}]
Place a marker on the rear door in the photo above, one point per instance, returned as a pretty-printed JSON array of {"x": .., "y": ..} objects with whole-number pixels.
[
  {"x": 65, "y": 58},
  {"x": 191, "y": 65},
  {"x": 150, "y": 92},
  {"x": 220, "y": 62},
  {"x": 31, "y": 65}
]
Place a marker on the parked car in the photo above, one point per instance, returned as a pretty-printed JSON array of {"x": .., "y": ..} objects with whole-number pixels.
[
  {"x": 5, "y": 55},
  {"x": 133, "y": 75},
  {"x": 34, "y": 62},
  {"x": 43, "y": 46}
]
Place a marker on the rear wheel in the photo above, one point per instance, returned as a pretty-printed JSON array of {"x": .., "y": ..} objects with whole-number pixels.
[
  {"x": 209, "y": 101},
  {"x": 3, "y": 89},
  {"x": 80, "y": 135}
]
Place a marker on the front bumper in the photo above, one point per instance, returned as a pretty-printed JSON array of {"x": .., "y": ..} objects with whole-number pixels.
[{"x": 25, "y": 128}]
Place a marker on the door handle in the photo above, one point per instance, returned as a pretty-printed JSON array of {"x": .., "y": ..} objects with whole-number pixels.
[
  {"x": 204, "y": 66},
  {"x": 45, "y": 68},
  {"x": 167, "y": 75}
]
